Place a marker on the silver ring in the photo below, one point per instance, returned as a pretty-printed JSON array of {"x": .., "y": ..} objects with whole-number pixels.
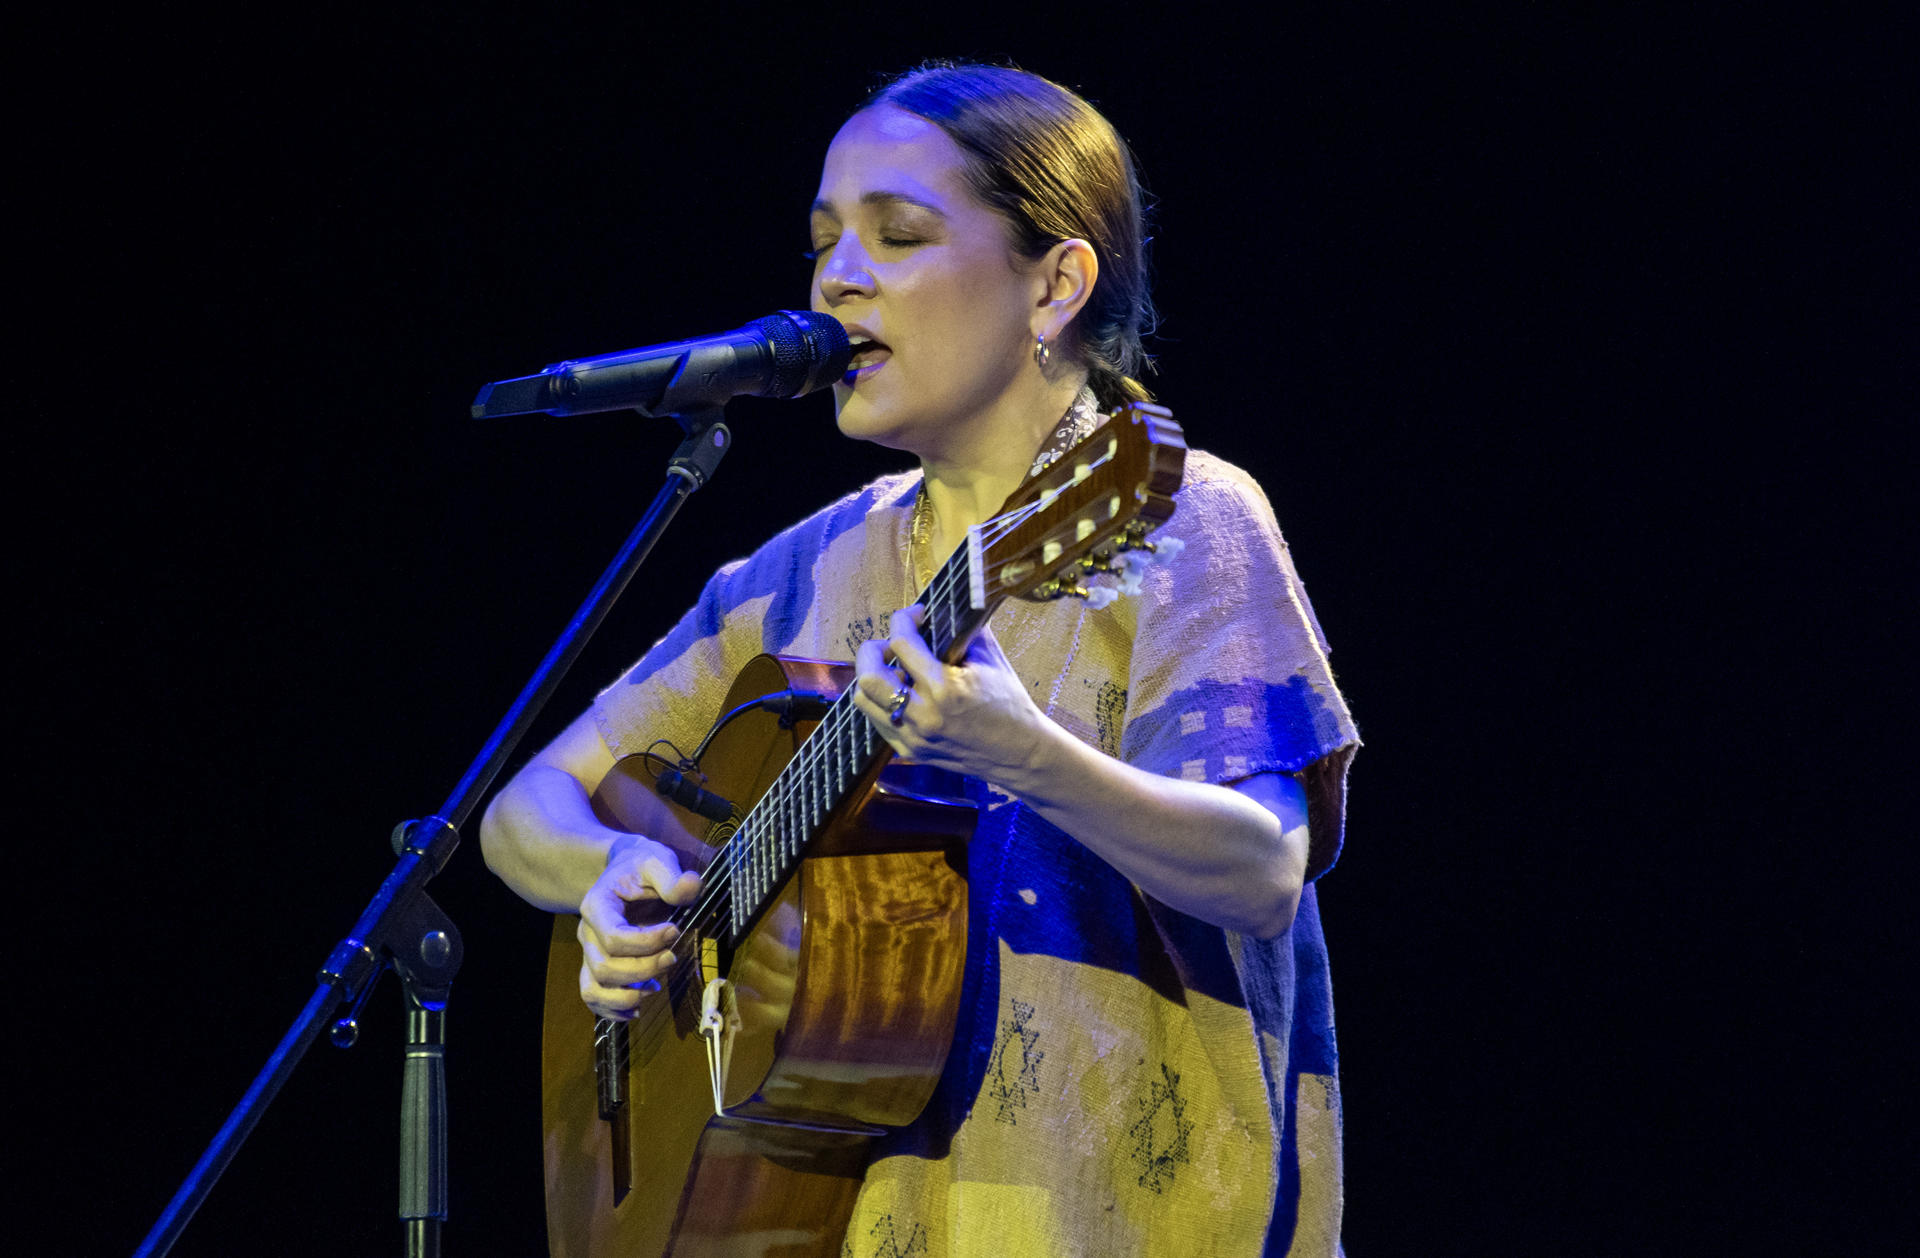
[{"x": 896, "y": 711}]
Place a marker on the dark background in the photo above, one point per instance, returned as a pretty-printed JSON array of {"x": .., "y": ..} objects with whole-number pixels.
[{"x": 1571, "y": 350}]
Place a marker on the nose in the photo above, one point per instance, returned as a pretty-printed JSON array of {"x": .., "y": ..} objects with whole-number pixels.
[{"x": 846, "y": 272}]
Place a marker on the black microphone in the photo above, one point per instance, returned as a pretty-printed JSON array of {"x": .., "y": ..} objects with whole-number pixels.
[
  {"x": 787, "y": 355},
  {"x": 684, "y": 791}
]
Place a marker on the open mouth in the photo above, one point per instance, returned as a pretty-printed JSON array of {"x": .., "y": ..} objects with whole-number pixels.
[{"x": 867, "y": 354}]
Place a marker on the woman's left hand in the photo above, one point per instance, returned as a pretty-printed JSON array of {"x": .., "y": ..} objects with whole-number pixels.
[
  {"x": 974, "y": 718},
  {"x": 1232, "y": 856}
]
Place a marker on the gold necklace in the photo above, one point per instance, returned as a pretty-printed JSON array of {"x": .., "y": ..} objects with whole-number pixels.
[{"x": 920, "y": 537}]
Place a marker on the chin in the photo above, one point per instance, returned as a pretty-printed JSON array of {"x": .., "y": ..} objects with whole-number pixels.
[{"x": 857, "y": 419}]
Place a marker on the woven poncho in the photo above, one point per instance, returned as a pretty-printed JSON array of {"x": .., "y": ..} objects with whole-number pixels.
[{"x": 1124, "y": 1079}]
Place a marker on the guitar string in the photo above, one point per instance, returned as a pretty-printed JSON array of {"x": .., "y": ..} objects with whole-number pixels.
[
  {"x": 735, "y": 854},
  {"x": 843, "y": 717},
  {"x": 720, "y": 875},
  {"x": 779, "y": 803},
  {"x": 838, "y": 723},
  {"x": 739, "y": 852}
]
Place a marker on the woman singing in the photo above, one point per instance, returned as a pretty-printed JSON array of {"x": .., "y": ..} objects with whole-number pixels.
[{"x": 1144, "y": 1058}]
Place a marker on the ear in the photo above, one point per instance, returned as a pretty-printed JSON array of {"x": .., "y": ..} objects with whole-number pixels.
[{"x": 1067, "y": 273}]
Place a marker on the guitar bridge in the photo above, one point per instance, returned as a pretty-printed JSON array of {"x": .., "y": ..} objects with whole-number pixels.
[{"x": 719, "y": 1022}]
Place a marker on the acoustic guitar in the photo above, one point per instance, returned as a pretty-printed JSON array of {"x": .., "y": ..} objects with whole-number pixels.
[{"x": 817, "y": 976}]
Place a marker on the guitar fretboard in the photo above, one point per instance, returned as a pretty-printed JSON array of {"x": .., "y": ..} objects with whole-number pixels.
[{"x": 757, "y": 860}]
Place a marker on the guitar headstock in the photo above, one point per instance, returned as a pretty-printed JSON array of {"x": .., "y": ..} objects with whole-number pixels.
[{"x": 1093, "y": 504}]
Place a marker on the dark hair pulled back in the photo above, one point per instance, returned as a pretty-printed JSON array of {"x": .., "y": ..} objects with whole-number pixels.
[{"x": 1055, "y": 170}]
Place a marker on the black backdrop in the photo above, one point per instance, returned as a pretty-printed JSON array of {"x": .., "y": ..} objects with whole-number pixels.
[{"x": 1540, "y": 330}]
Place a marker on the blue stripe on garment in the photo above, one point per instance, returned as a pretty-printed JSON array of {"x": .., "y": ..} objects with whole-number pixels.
[
  {"x": 1291, "y": 726},
  {"x": 783, "y": 569}
]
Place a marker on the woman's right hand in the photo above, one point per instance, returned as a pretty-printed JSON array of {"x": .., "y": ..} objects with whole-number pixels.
[{"x": 624, "y": 938}]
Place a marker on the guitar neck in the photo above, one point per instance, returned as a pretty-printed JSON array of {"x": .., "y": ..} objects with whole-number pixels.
[
  {"x": 837, "y": 757},
  {"x": 956, "y": 602}
]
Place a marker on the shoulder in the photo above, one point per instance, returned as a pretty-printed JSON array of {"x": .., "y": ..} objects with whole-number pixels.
[
  {"x": 1217, "y": 497},
  {"x": 799, "y": 544}
]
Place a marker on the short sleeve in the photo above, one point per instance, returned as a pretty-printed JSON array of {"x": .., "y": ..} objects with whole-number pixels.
[
  {"x": 1230, "y": 675},
  {"x": 677, "y": 686},
  {"x": 802, "y": 593}
]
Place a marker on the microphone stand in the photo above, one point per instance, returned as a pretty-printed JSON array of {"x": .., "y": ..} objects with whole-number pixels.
[{"x": 403, "y": 928}]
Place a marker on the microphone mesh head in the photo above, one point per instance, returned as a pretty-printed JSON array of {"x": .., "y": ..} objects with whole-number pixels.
[{"x": 810, "y": 351}]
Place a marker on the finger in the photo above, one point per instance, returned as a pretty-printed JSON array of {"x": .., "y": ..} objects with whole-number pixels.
[
  {"x": 890, "y": 714},
  {"x": 640, "y": 974},
  {"x": 681, "y": 890},
  {"x": 910, "y": 650},
  {"x": 876, "y": 712},
  {"x": 985, "y": 648},
  {"x": 877, "y": 678},
  {"x": 636, "y": 972},
  {"x": 870, "y": 658},
  {"x": 618, "y": 1003},
  {"x": 876, "y": 681},
  {"x": 623, "y": 940},
  {"x": 644, "y": 872},
  {"x": 612, "y": 970}
]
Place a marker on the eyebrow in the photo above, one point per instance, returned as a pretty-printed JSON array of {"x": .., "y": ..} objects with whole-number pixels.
[{"x": 824, "y": 206}]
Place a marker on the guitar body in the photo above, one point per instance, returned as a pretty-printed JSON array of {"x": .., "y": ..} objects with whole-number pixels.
[{"x": 847, "y": 989}]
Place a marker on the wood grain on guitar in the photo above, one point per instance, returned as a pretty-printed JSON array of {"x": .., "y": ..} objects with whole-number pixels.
[{"x": 835, "y": 909}]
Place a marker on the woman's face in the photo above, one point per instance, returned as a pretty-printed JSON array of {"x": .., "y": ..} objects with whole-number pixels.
[{"x": 910, "y": 261}]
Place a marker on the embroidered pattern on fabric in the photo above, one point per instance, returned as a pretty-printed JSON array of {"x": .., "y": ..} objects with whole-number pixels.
[
  {"x": 861, "y": 630},
  {"x": 887, "y": 1242},
  {"x": 1080, "y": 420},
  {"x": 1110, "y": 715},
  {"x": 1160, "y": 1137},
  {"x": 1012, "y": 1092}
]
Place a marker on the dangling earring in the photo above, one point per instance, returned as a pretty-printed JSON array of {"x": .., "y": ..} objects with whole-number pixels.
[{"x": 1040, "y": 351}]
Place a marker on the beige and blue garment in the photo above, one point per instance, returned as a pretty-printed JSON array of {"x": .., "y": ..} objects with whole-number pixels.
[{"x": 1124, "y": 1079}]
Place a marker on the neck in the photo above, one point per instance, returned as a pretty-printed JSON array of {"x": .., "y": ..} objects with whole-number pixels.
[{"x": 967, "y": 484}]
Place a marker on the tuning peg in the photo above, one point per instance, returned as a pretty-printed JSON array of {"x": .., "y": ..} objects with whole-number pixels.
[
  {"x": 1067, "y": 585},
  {"x": 1129, "y": 568}
]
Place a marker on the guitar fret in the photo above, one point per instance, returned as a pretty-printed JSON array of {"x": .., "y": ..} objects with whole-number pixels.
[
  {"x": 954, "y": 588},
  {"x": 843, "y": 745},
  {"x": 778, "y": 833},
  {"x": 788, "y": 826},
  {"x": 767, "y": 869},
  {"x": 788, "y": 830},
  {"x": 809, "y": 812},
  {"x": 939, "y": 620},
  {"x": 759, "y": 871},
  {"x": 736, "y": 879},
  {"x": 753, "y": 866},
  {"x": 764, "y": 860}
]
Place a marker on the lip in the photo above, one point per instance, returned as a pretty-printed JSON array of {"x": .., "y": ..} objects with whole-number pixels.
[
  {"x": 874, "y": 354},
  {"x": 857, "y": 374}
]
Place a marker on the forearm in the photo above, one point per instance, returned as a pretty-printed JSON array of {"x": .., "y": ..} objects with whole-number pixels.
[
  {"x": 540, "y": 836},
  {"x": 1234, "y": 857}
]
